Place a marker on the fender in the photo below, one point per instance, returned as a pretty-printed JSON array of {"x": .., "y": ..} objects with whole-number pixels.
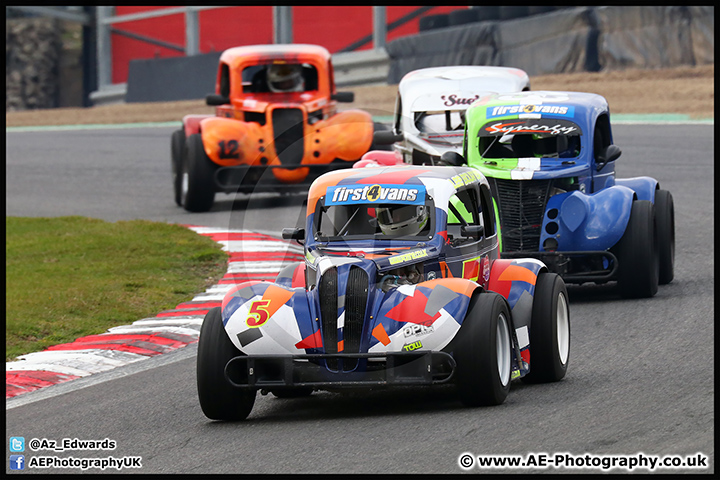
[
  {"x": 378, "y": 158},
  {"x": 644, "y": 187},
  {"x": 426, "y": 315},
  {"x": 347, "y": 136},
  {"x": 581, "y": 222},
  {"x": 515, "y": 280},
  {"x": 292, "y": 276},
  {"x": 267, "y": 318},
  {"x": 229, "y": 142},
  {"x": 191, "y": 123}
]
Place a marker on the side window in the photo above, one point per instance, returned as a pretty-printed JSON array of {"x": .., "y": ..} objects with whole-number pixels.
[
  {"x": 464, "y": 208},
  {"x": 486, "y": 211},
  {"x": 398, "y": 115},
  {"x": 602, "y": 134},
  {"x": 224, "y": 80}
]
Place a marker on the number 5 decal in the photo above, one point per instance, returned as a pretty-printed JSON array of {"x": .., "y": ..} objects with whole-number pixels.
[{"x": 258, "y": 313}]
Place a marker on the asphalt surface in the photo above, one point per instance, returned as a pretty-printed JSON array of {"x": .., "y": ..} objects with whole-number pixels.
[{"x": 640, "y": 380}]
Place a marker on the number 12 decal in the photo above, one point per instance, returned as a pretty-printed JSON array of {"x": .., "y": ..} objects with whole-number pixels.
[{"x": 258, "y": 313}]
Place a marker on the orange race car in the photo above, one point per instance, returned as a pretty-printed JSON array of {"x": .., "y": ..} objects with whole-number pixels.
[{"x": 276, "y": 126}]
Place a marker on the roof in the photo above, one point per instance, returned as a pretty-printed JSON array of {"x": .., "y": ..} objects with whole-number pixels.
[
  {"x": 266, "y": 52},
  {"x": 582, "y": 108},
  {"x": 447, "y": 178},
  {"x": 455, "y": 87}
]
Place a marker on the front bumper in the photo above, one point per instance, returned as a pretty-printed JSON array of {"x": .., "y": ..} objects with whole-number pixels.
[
  {"x": 248, "y": 179},
  {"x": 577, "y": 266},
  {"x": 310, "y": 370}
]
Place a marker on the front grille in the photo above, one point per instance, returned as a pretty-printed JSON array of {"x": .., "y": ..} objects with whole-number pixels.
[
  {"x": 521, "y": 204},
  {"x": 288, "y": 133},
  {"x": 328, "y": 292},
  {"x": 355, "y": 303}
]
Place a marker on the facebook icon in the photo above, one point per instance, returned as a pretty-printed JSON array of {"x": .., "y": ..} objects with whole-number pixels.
[{"x": 17, "y": 462}]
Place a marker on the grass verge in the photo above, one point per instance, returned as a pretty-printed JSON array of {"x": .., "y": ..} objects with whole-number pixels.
[{"x": 68, "y": 277}]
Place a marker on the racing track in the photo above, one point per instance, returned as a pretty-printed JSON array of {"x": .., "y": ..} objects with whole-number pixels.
[{"x": 641, "y": 377}]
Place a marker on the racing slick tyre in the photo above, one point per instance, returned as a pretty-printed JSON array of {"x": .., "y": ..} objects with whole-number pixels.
[
  {"x": 665, "y": 213},
  {"x": 637, "y": 253},
  {"x": 549, "y": 330},
  {"x": 177, "y": 145},
  {"x": 219, "y": 400},
  {"x": 484, "y": 351},
  {"x": 197, "y": 188}
]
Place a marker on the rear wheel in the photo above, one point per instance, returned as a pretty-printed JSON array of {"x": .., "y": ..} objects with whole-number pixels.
[
  {"x": 637, "y": 253},
  {"x": 177, "y": 145},
  {"x": 218, "y": 399},
  {"x": 549, "y": 330},
  {"x": 665, "y": 213},
  {"x": 197, "y": 187},
  {"x": 484, "y": 351}
]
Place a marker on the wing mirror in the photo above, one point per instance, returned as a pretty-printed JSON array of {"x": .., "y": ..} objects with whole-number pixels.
[
  {"x": 344, "y": 97},
  {"x": 293, "y": 234},
  {"x": 452, "y": 159},
  {"x": 386, "y": 137},
  {"x": 607, "y": 154},
  {"x": 474, "y": 231},
  {"x": 214, "y": 100}
]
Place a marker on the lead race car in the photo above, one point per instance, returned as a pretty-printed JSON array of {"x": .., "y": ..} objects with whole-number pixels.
[
  {"x": 550, "y": 160},
  {"x": 402, "y": 285},
  {"x": 276, "y": 126}
]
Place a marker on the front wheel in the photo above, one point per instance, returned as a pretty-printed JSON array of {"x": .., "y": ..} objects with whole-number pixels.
[
  {"x": 665, "y": 211},
  {"x": 549, "y": 330},
  {"x": 637, "y": 253},
  {"x": 219, "y": 400},
  {"x": 484, "y": 351},
  {"x": 177, "y": 146},
  {"x": 197, "y": 187}
]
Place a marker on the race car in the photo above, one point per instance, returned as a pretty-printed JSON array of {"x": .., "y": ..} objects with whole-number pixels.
[
  {"x": 430, "y": 107},
  {"x": 550, "y": 161},
  {"x": 402, "y": 285},
  {"x": 276, "y": 126}
]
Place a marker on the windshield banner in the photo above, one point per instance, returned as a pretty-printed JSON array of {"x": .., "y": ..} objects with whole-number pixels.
[{"x": 400, "y": 194}]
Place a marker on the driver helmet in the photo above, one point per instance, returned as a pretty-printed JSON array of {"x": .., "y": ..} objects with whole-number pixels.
[
  {"x": 283, "y": 77},
  {"x": 401, "y": 220}
]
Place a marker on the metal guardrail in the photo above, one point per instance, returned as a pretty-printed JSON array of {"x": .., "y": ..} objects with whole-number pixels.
[{"x": 368, "y": 67}]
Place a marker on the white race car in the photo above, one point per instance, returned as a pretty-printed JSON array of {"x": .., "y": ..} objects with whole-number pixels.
[{"x": 430, "y": 107}]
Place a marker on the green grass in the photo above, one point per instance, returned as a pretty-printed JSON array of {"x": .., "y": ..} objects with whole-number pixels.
[{"x": 68, "y": 277}]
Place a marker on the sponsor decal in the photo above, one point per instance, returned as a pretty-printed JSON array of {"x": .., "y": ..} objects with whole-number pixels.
[
  {"x": 406, "y": 257},
  {"x": 417, "y": 330},
  {"x": 412, "y": 346},
  {"x": 451, "y": 100},
  {"x": 431, "y": 275},
  {"x": 465, "y": 178},
  {"x": 405, "y": 194},
  {"x": 503, "y": 110},
  {"x": 552, "y": 128}
]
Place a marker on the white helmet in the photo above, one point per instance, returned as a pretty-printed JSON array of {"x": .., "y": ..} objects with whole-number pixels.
[
  {"x": 283, "y": 77},
  {"x": 401, "y": 220}
]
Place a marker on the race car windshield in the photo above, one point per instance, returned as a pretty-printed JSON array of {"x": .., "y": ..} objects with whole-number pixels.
[
  {"x": 373, "y": 221},
  {"x": 279, "y": 78},
  {"x": 546, "y": 138},
  {"x": 438, "y": 123}
]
